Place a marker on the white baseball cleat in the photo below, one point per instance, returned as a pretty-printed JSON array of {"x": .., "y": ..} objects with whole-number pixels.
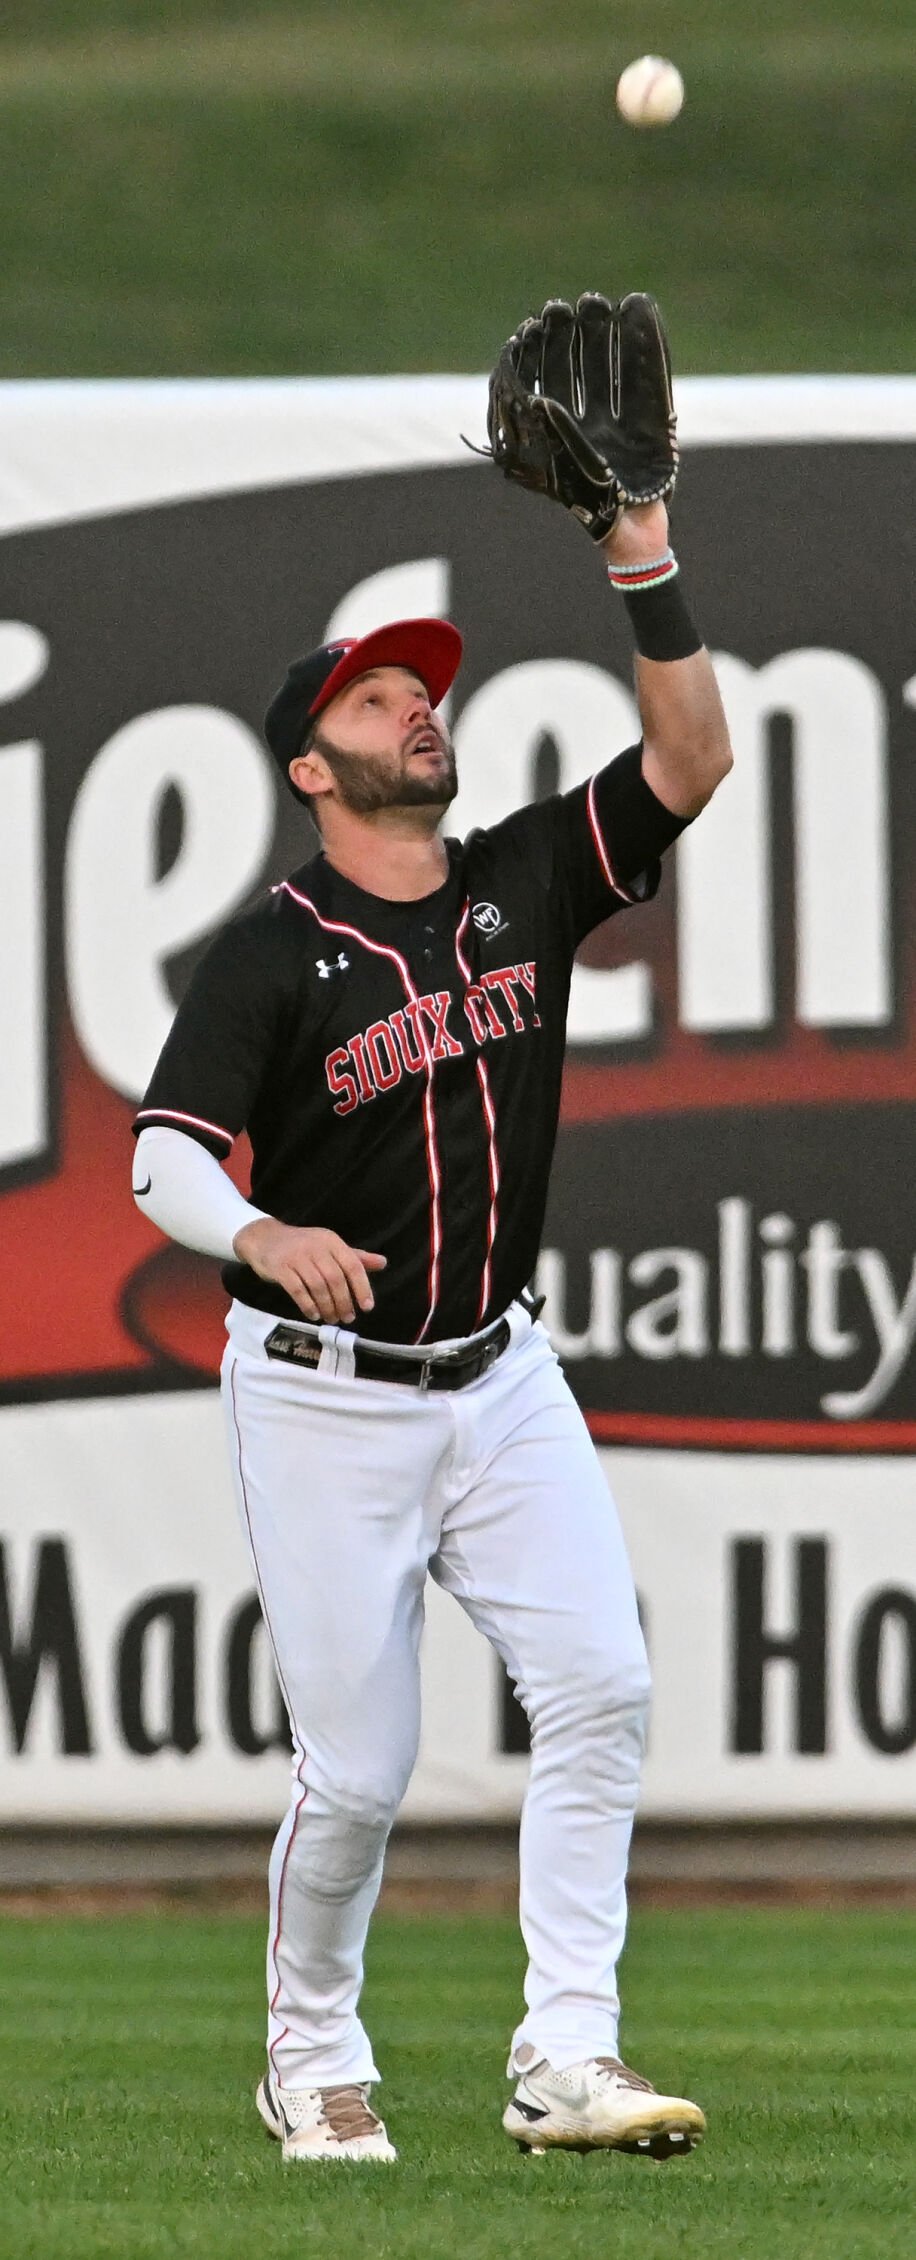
[
  {"x": 598, "y": 2105},
  {"x": 323, "y": 2122}
]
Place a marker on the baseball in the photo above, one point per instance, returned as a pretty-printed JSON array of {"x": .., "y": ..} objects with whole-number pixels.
[{"x": 650, "y": 92}]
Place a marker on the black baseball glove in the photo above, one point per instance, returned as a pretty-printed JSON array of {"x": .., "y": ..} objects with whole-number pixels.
[{"x": 581, "y": 408}]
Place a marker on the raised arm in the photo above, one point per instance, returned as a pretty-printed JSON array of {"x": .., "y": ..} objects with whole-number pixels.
[
  {"x": 686, "y": 750},
  {"x": 581, "y": 409}
]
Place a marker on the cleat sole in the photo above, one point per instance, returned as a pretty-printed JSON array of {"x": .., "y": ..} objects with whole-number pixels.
[
  {"x": 669, "y": 2142},
  {"x": 659, "y": 2143}
]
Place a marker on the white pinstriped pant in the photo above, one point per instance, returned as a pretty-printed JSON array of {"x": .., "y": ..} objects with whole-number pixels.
[{"x": 350, "y": 1492}]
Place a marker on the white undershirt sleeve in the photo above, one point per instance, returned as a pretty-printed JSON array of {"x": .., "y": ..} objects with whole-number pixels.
[{"x": 180, "y": 1186}]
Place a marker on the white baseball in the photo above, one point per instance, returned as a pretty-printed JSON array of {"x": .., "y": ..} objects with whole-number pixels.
[{"x": 650, "y": 92}]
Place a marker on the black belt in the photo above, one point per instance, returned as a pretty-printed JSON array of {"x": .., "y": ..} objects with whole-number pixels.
[
  {"x": 452, "y": 1369},
  {"x": 430, "y": 1369}
]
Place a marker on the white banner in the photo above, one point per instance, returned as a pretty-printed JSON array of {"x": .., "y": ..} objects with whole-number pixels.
[{"x": 136, "y": 1684}]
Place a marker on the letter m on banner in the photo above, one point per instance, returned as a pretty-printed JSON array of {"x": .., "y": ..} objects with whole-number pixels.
[{"x": 47, "y": 1642}]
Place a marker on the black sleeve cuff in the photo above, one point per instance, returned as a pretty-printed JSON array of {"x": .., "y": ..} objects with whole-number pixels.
[{"x": 636, "y": 824}]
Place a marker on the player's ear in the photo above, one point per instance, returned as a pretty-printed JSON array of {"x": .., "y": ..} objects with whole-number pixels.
[{"x": 310, "y": 773}]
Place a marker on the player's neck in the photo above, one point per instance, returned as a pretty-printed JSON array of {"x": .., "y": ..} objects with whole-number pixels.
[{"x": 399, "y": 860}]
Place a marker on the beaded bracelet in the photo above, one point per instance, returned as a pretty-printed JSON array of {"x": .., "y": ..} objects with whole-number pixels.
[{"x": 648, "y": 574}]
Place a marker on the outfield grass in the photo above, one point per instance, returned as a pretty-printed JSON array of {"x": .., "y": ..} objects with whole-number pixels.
[
  {"x": 130, "y": 2051},
  {"x": 208, "y": 186}
]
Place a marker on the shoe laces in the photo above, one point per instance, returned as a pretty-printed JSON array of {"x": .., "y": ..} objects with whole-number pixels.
[
  {"x": 346, "y": 2111},
  {"x": 613, "y": 2073}
]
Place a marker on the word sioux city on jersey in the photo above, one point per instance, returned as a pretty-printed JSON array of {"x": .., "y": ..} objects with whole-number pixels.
[{"x": 429, "y": 1028}]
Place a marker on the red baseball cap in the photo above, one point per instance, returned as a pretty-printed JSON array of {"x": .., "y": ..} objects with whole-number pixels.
[{"x": 429, "y": 648}]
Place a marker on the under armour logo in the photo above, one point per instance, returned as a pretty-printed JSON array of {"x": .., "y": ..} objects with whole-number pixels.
[
  {"x": 325, "y": 970},
  {"x": 488, "y": 920}
]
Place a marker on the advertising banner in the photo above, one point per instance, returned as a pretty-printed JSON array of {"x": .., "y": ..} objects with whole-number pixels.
[
  {"x": 780, "y": 1619},
  {"x": 730, "y": 1250}
]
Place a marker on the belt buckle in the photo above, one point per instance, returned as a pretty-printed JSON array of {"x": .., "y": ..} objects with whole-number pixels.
[{"x": 425, "y": 1371}]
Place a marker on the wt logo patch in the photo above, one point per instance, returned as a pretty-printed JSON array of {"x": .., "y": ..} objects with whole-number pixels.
[{"x": 488, "y": 920}]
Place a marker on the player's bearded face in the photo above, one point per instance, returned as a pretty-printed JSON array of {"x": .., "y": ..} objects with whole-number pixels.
[
  {"x": 405, "y": 760},
  {"x": 408, "y": 778}
]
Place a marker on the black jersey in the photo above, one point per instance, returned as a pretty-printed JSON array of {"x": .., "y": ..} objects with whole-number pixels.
[{"x": 397, "y": 1065}]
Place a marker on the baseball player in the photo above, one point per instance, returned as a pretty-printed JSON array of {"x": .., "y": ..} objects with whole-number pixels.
[{"x": 388, "y": 1024}]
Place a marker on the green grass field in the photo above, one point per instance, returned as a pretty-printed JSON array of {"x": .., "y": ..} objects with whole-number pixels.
[
  {"x": 230, "y": 186},
  {"x": 130, "y": 2050}
]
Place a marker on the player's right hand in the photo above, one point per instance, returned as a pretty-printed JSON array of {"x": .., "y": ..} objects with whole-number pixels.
[{"x": 327, "y": 1280}]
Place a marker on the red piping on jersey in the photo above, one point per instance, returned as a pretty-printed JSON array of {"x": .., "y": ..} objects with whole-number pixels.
[
  {"x": 275, "y": 1940},
  {"x": 380, "y": 949},
  {"x": 490, "y": 1118},
  {"x": 603, "y": 857},
  {"x": 155, "y": 1114}
]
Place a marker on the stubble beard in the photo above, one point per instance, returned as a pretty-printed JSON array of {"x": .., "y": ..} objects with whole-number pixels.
[{"x": 365, "y": 788}]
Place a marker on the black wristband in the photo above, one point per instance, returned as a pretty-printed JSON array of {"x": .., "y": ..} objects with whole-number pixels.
[{"x": 662, "y": 622}]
